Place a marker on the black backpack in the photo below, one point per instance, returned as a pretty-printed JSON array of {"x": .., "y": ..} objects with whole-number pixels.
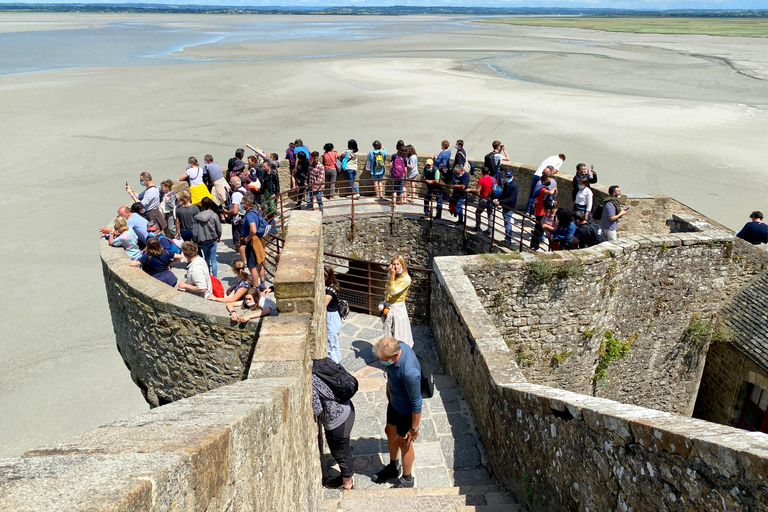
[
  {"x": 343, "y": 309},
  {"x": 427, "y": 379},
  {"x": 488, "y": 162},
  {"x": 342, "y": 383}
]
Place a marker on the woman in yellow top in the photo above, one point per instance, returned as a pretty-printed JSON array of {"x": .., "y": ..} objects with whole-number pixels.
[{"x": 396, "y": 321}]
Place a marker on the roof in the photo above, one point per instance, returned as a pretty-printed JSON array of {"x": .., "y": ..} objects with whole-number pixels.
[{"x": 747, "y": 316}]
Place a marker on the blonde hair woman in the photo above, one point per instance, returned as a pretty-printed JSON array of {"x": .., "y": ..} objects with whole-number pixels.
[
  {"x": 396, "y": 321},
  {"x": 125, "y": 237}
]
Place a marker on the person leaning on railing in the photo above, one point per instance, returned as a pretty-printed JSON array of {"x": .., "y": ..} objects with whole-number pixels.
[
  {"x": 396, "y": 321},
  {"x": 508, "y": 201},
  {"x": 459, "y": 196}
]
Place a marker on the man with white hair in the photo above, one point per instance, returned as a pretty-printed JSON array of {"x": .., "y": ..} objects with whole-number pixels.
[{"x": 404, "y": 409}]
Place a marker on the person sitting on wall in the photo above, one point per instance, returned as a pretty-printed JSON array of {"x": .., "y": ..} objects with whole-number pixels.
[
  {"x": 149, "y": 199},
  {"x": 754, "y": 232},
  {"x": 155, "y": 262},
  {"x": 136, "y": 222},
  {"x": 586, "y": 234},
  {"x": 153, "y": 230},
  {"x": 198, "y": 278}
]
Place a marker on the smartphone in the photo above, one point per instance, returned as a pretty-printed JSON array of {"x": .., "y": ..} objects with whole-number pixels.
[
  {"x": 591, "y": 167},
  {"x": 627, "y": 208},
  {"x": 126, "y": 183}
]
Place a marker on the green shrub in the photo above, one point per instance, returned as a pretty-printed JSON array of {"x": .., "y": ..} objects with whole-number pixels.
[
  {"x": 611, "y": 349},
  {"x": 559, "y": 358},
  {"x": 540, "y": 272},
  {"x": 570, "y": 269}
]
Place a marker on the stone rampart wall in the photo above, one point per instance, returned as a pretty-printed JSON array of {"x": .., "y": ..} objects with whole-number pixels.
[
  {"x": 174, "y": 343},
  {"x": 555, "y": 310},
  {"x": 559, "y": 450},
  {"x": 250, "y": 445}
]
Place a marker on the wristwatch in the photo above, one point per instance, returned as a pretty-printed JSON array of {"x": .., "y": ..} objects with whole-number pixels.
[{"x": 415, "y": 429}]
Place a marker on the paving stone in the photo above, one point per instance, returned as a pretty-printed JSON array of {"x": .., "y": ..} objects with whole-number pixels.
[
  {"x": 427, "y": 432},
  {"x": 471, "y": 477},
  {"x": 428, "y": 454},
  {"x": 371, "y": 335},
  {"x": 350, "y": 329},
  {"x": 366, "y": 427},
  {"x": 452, "y": 423},
  {"x": 366, "y": 446},
  {"x": 351, "y": 362},
  {"x": 432, "y": 477},
  {"x": 460, "y": 451}
]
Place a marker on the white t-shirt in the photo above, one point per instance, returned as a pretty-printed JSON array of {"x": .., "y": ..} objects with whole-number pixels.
[
  {"x": 584, "y": 197},
  {"x": 195, "y": 176},
  {"x": 413, "y": 160},
  {"x": 198, "y": 275},
  {"x": 554, "y": 161}
]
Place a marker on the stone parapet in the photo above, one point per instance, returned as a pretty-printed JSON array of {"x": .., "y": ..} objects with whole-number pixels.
[
  {"x": 174, "y": 343},
  {"x": 559, "y": 450},
  {"x": 248, "y": 445}
]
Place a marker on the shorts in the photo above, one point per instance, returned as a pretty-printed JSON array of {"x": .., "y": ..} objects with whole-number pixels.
[
  {"x": 401, "y": 422},
  {"x": 254, "y": 253},
  {"x": 377, "y": 176}
]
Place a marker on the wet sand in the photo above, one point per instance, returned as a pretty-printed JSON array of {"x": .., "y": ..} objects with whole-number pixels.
[{"x": 684, "y": 116}]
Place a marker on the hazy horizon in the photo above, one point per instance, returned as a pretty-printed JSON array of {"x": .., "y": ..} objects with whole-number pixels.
[{"x": 639, "y": 5}]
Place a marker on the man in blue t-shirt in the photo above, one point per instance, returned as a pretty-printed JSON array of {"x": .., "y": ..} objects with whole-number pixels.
[
  {"x": 251, "y": 244},
  {"x": 404, "y": 409},
  {"x": 460, "y": 185},
  {"x": 755, "y": 232}
]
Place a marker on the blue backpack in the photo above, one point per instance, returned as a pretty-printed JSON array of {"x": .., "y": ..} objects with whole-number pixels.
[{"x": 495, "y": 191}]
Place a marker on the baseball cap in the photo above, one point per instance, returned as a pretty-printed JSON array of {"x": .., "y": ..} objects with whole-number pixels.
[
  {"x": 509, "y": 174},
  {"x": 430, "y": 161}
]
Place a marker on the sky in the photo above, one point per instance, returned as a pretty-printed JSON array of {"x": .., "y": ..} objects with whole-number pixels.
[{"x": 602, "y": 4}]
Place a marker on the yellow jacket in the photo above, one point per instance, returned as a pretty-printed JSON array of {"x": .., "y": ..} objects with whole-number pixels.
[{"x": 398, "y": 289}]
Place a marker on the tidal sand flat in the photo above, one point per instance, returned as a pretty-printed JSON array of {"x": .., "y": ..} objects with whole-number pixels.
[{"x": 672, "y": 114}]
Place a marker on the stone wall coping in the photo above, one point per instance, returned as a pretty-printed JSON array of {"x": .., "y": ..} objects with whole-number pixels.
[
  {"x": 652, "y": 428},
  {"x": 162, "y": 297}
]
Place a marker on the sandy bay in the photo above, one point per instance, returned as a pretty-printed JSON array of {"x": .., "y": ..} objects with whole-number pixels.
[{"x": 685, "y": 116}]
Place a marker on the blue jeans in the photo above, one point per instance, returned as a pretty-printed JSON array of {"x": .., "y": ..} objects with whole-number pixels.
[
  {"x": 397, "y": 186},
  {"x": 460, "y": 208},
  {"x": 209, "y": 254},
  {"x": 319, "y": 195},
  {"x": 508, "y": 226},
  {"x": 333, "y": 324},
  {"x": 352, "y": 176},
  {"x": 434, "y": 194}
]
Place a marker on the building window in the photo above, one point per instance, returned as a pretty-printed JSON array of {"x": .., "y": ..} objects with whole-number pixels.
[{"x": 753, "y": 416}]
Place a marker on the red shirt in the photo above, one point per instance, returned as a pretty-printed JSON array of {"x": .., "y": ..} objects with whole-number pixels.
[{"x": 485, "y": 183}]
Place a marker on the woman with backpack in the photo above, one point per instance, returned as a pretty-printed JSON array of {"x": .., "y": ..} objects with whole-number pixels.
[
  {"x": 375, "y": 165},
  {"x": 333, "y": 318},
  {"x": 337, "y": 417},
  {"x": 395, "y": 315},
  {"x": 397, "y": 172},
  {"x": 329, "y": 163}
]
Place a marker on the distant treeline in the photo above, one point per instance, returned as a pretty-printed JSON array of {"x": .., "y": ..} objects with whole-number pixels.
[{"x": 394, "y": 10}]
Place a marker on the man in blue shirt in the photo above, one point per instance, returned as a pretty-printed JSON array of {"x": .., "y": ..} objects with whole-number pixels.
[
  {"x": 754, "y": 232},
  {"x": 404, "y": 409},
  {"x": 135, "y": 221},
  {"x": 460, "y": 184},
  {"x": 251, "y": 244}
]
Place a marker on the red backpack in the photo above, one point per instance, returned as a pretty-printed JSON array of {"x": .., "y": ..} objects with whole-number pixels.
[{"x": 216, "y": 286}]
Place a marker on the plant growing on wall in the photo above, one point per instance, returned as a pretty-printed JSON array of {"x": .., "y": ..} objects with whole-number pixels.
[
  {"x": 611, "y": 349},
  {"x": 559, "y": 358},
  {"x": 540, "y": 272},
  {"x": 701, "y": 331}
]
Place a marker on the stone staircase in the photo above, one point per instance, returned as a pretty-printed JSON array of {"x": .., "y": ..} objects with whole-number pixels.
[{"x": 451, "y": 466}]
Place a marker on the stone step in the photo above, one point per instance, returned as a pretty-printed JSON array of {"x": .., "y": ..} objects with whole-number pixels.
[
  {"x": 491, "y": 508},
  {"x": 422, "y": 499}
]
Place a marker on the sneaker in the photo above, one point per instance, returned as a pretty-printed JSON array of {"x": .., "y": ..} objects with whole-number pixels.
[
  {"x": 356, "y": 196},
  {"x": 402, "y": 482},
  {"x": 390, "y": 471}
]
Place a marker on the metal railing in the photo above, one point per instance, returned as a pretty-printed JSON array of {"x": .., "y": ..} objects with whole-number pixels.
[
  {"x": 505, "y": 228},
  {"x": 363, "y": 285}
]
